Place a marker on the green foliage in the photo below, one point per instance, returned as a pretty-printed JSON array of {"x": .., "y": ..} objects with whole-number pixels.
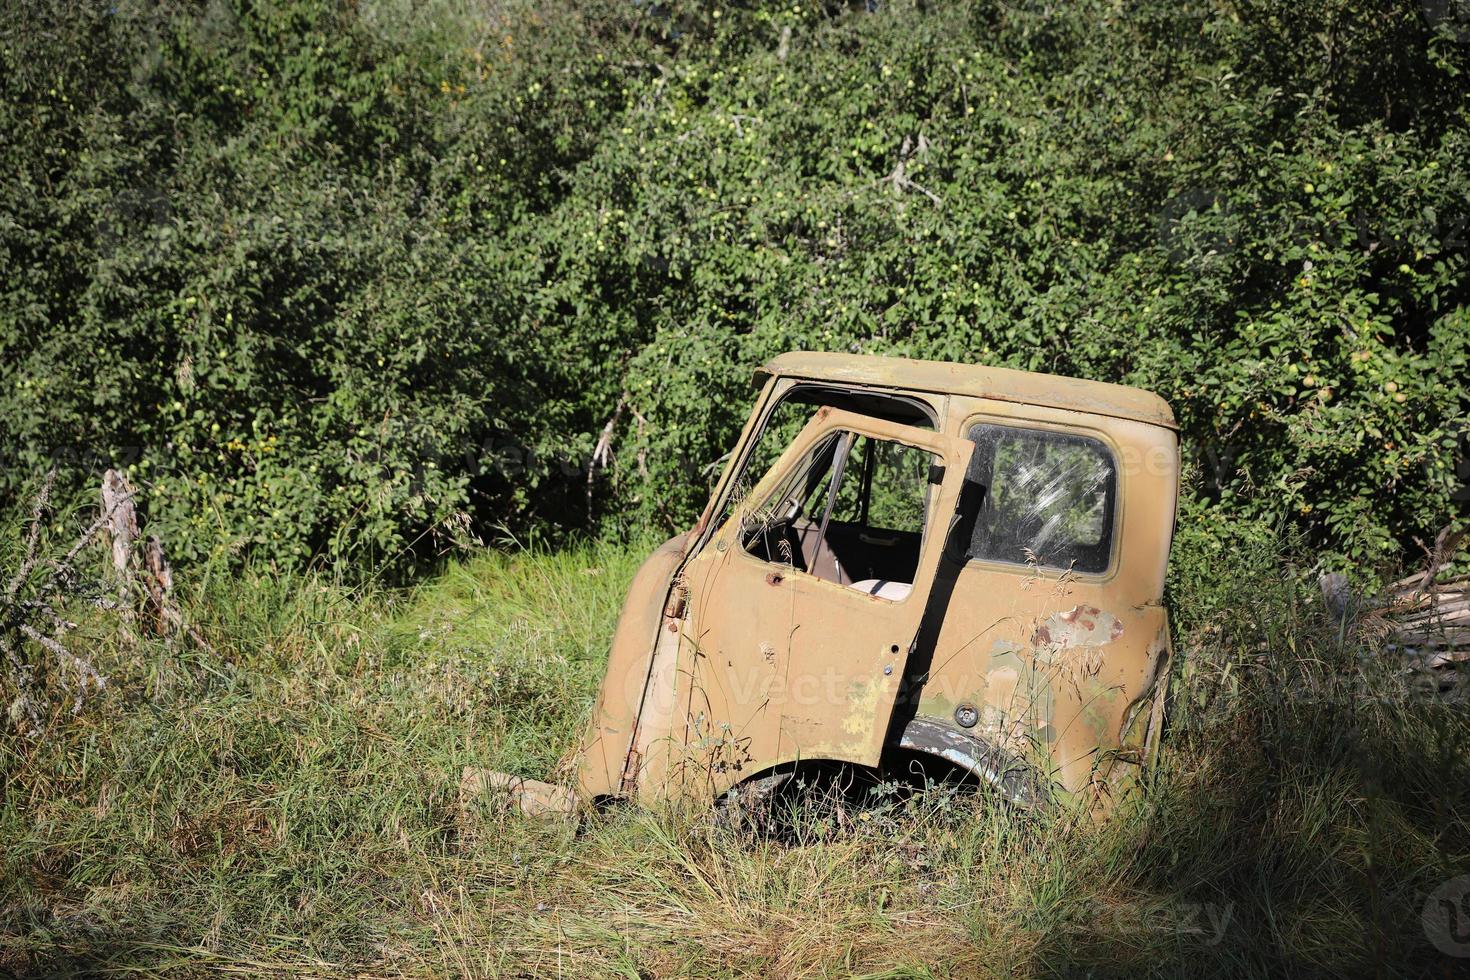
[{"x": 330, "y": 276}]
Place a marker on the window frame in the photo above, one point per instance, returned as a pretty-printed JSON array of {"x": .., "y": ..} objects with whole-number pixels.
[
  {"x": 1114, "y": 521},
  {"x": 779, "y": 390}
]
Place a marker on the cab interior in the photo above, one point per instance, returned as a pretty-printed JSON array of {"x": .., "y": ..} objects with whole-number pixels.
[{"x": 853, "y": 511}]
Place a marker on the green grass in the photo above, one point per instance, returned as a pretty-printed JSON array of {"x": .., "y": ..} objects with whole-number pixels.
[{"x": 289, "y": 805}]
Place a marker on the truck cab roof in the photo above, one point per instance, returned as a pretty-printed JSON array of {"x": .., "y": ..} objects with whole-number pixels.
[{"x": 975, "y": 380}]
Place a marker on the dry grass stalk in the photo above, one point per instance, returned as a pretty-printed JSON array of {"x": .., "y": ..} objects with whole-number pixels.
[{"x": 29, "y": 620}]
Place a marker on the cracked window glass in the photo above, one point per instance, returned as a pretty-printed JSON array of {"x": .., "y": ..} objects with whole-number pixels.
[{"x": 1049, "y": 498}]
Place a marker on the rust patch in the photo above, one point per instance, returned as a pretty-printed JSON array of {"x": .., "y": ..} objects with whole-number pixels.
[
  {"x": 773, "y": 578},
  {"x": 1080, "y": 626}
]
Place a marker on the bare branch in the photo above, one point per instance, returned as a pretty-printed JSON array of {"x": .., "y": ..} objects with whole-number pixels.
[
  {"x": 602, "y": 452},
  {"x": 33, "y": 539}
]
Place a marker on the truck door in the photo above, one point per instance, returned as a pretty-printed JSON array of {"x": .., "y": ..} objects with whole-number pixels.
[{"x": 802, "y": 608}]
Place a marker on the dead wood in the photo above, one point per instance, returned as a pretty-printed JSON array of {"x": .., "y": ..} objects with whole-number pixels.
[
  {"x": 33, "y": 629},
  {"x": 1423, "y": 618}
]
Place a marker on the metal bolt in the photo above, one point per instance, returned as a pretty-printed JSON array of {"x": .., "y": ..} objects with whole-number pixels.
[{"x": 887, "y": 669}]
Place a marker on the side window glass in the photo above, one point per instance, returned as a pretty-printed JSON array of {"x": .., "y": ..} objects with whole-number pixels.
[
  {"x": 786, "y": 419},
  {"x": 883, "y": 487},
  {"x": 800, "y": 492},
  {"x": 1049, "y": 498}
]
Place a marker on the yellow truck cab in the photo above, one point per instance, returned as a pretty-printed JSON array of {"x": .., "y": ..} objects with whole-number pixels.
[{"x": 903, "y": 558}]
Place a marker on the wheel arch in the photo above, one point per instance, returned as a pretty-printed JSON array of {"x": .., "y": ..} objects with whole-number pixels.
[{"x": 1003, "y": 771}]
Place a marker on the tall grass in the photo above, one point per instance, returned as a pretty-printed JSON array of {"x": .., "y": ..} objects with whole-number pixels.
[{"x": 289, "y": 805}]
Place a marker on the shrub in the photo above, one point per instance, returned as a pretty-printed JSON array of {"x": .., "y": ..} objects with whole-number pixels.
[{"x": 340, "y": 279}]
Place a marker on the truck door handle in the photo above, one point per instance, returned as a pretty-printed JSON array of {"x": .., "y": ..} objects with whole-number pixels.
[{"x": 867, "y": 538}]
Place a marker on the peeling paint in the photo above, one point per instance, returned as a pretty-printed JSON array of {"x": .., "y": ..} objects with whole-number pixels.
[
  {"x": 863, "y": 706},
  {"x": 795, "y": 667},
  {"x": 1077, "y": 627}
]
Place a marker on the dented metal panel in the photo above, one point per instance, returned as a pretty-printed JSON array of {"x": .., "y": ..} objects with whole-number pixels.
[
  {"x": 615, "y": 718},
  {"x": 1056, "y": 658},
  {"x": 776, "y": 665}
]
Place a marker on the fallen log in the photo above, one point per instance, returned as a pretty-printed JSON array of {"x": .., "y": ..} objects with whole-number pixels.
[{"x": 1422, "y": 618}]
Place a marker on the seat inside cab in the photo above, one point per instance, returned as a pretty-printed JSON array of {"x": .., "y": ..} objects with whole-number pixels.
[{"x": 854, "y": 510}]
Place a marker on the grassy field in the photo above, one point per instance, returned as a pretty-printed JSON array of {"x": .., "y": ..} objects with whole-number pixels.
[{"x": 288, "y": 805}]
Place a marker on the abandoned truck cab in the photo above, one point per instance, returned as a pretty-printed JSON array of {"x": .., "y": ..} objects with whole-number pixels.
[{"x": 903, "y": 559}]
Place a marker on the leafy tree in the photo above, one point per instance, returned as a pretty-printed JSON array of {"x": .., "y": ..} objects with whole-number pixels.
[{"x": 342, "y": 278}]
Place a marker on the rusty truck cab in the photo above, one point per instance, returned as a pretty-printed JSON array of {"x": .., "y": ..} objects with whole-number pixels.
[{"x": 951, "y": 561}]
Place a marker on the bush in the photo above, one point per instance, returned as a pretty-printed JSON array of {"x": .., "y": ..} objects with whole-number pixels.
[{"x": 343, "y": 279}]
